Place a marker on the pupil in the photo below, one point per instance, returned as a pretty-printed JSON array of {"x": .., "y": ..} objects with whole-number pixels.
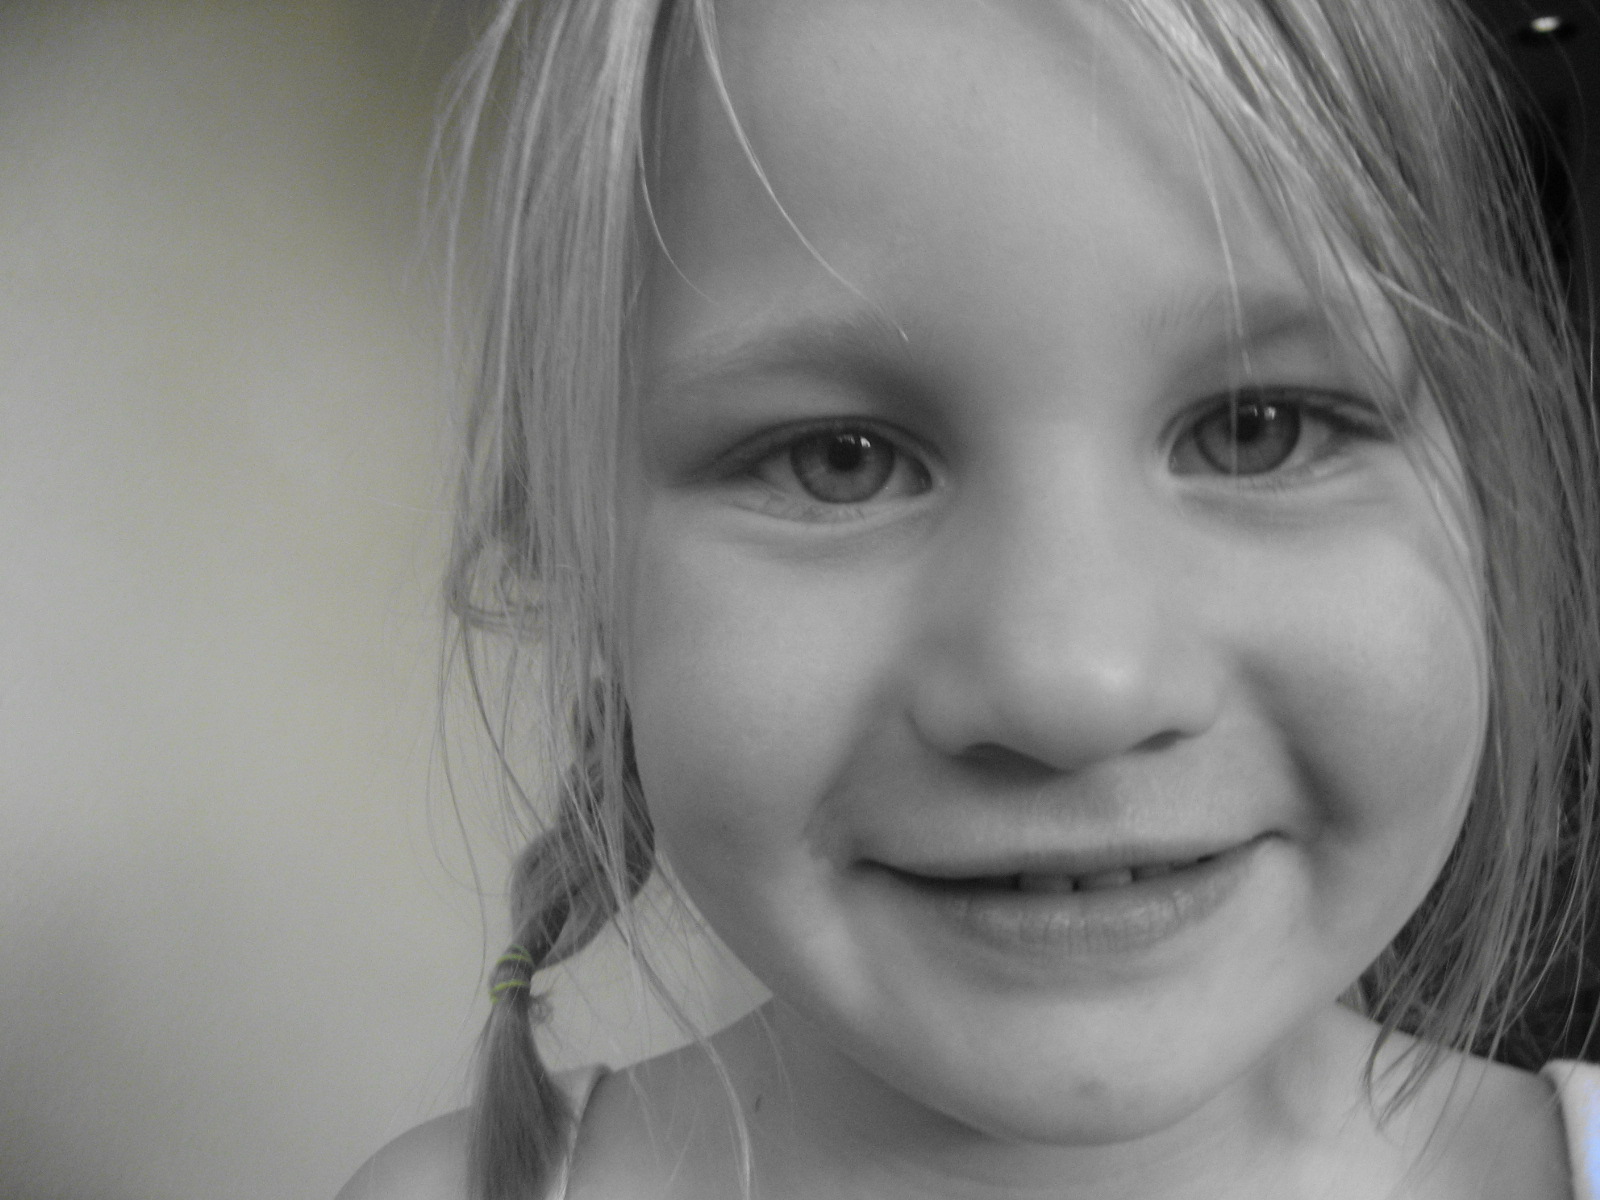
[
  {"x": 1251, "y": 421},
  {"x": 845, "y": 452}
]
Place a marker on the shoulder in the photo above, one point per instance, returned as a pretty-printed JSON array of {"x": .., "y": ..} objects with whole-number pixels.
[
  {"x": 425, "y": 1163},
  {"x": 1577, "y": 1086},
  {"x": 1505, "y": 1134},
  {"x": 429, "y": 1162}
]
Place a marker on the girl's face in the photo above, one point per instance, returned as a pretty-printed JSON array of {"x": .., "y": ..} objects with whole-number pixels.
[{"x": 1055, "y": 741}]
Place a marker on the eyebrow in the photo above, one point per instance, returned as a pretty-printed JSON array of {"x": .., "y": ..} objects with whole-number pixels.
[
  {"x": 859, "y": 342},
  {"x": 1257, "y": 313}
]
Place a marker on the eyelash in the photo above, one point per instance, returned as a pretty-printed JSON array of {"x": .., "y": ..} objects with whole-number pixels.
[{"x": 1345, "y": 420}]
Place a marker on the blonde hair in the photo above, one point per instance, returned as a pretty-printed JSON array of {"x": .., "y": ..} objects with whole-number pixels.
[{"x": 1368, "y": 124}]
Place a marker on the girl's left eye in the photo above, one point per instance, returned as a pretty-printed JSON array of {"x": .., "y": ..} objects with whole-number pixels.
[
  {"x": 1264, "y": 435},
  {"x": 840, "y": 466}
]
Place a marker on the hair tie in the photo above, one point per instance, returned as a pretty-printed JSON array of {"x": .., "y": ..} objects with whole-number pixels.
[{"x": 512, "y": 970}]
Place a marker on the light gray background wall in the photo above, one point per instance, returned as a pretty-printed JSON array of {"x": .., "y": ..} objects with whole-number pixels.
[{"x": 240, "y": 944}]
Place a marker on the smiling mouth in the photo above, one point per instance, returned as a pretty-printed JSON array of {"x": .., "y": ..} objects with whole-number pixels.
[{"x": 1084, "y": 910}]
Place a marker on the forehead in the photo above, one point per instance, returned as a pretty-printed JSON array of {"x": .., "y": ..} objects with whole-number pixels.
[{"x": 917, "y": 159}]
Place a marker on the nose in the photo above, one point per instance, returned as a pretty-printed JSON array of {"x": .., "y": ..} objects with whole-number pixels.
[{"x": 1063, "y": 624}]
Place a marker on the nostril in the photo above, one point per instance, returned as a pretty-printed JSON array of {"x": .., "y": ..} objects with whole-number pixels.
[
  {"x": 1160, "y": 741},
  {"x": 996, "y": 759}
]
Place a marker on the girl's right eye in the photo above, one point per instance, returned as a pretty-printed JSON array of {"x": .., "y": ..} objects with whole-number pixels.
[{"x": 838, "y": 468}]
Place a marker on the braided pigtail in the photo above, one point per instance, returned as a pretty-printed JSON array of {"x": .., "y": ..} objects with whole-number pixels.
[{"x": 567, "y": 885}]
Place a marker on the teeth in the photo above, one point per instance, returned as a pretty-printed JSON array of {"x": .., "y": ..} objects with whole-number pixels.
[
  {"x": 1120, "y": 877},
  {"x": 1054, "y": 882},
  {"x": 1100, "y": 880},
  {"x": 1044, "y": 883}
]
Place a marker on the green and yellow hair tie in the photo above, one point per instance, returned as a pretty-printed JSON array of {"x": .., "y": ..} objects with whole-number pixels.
[{"x": 520, "y": 964}]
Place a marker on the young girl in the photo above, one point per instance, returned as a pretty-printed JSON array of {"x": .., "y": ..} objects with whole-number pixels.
[{"x": 1068, "y": 528}]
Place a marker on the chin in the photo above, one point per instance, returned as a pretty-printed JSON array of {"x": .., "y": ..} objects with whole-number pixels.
[{"x": 1120, "y": 1098}]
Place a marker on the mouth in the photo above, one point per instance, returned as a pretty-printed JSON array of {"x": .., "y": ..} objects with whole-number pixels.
[
  {"x": 1037, "y": 876},
  {"x": 1107, "y": 904}
]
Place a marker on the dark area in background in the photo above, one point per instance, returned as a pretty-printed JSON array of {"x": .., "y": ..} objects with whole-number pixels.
[{"x": 1552, "y": 58}]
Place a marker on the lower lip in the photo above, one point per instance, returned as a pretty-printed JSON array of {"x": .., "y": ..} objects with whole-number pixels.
[{"x": 1110, "y": 921}]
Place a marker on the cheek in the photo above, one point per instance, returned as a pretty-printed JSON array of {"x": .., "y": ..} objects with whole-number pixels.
[
  {"x": 1379, "y": 687},
  {"x": 746, "y": 687}
]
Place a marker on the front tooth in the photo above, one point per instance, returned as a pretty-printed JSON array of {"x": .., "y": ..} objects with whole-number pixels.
[
  {"x": 1044, "y": 883},
  {"x": 1105, "y": 879}
]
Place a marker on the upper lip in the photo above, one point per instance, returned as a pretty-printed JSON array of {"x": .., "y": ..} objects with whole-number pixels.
[{"x": 1068, "y": 862}]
